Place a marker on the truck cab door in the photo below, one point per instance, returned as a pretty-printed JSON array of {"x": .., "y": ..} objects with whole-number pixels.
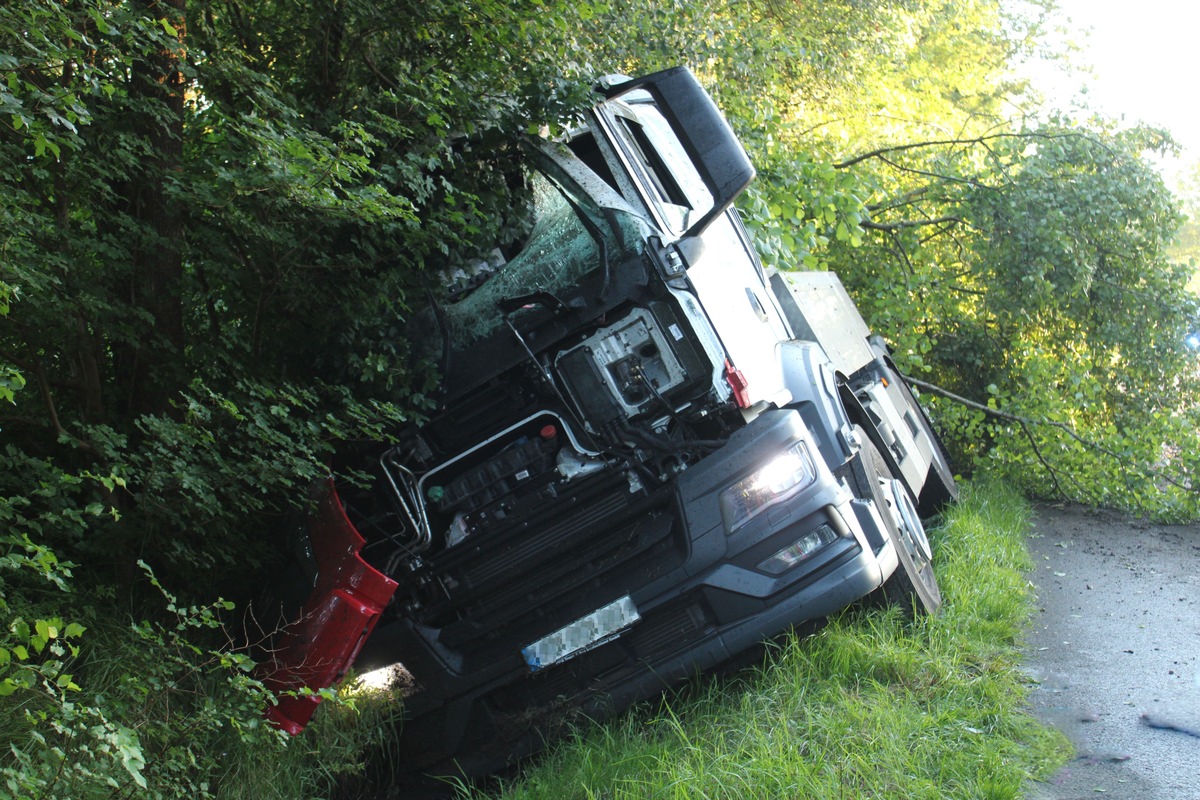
[
  {"x": 728, "y": 282},
  {"x": 721, "y": 265}
]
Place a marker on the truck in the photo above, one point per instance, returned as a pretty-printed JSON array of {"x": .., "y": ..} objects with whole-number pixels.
[{"x": 648, "y": 456}]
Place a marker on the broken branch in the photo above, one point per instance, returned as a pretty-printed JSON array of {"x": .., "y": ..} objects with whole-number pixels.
[{"x": 1027, "y": 422}]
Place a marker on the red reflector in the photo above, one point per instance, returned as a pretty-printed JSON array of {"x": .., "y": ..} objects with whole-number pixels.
[
  {"x": 737, "y": 382},
  {"x": 549, "y": 432}
]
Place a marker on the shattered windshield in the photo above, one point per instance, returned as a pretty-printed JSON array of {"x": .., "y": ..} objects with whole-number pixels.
[{"x": 566, "y": 225}]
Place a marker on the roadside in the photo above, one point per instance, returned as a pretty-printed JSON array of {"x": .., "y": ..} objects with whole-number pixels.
[{"x": 1115, "y": 645}]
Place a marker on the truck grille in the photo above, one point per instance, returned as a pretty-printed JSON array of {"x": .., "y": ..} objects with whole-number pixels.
[{"x": 510, "y": 587}]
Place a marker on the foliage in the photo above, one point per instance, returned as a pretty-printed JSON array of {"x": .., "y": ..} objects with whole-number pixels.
[
  {"x": 1037, "y": 259},
  {"x": 198, "y": 189},
  {"x": 161, "y": 708},
  {"x": 212, "y": 219},
  {"x": 166, "y": 706},
  {"x": 1186, "y": 248},
  {"x": 869, "y": 706},
  {"x": 156, "y": 708}
]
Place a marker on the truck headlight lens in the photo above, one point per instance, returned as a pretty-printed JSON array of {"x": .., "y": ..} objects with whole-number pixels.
[{"x": 780, "y": 479}]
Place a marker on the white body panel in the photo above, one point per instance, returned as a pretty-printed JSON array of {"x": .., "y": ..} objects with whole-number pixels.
[{"x": 741, "y": 310}]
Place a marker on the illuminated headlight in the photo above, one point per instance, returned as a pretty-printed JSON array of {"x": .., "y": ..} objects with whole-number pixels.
[
  {"x": 793, "y": 554},
  {"x": 780, "y": 479}
]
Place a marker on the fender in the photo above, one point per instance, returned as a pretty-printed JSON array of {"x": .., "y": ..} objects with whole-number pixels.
[
  {"x": 346, "y": 602},
  {"x": 808, "y": 374}
]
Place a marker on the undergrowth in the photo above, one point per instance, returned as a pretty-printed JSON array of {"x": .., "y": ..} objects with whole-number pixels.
[
  {"x": 106, "y": 706},
  {"x": 872, "y": 706}
]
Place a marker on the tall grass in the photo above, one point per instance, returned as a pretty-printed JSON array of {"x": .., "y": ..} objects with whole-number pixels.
[
  {"x": 334, "y": 747},
  {"x": 872, "y": 706}
]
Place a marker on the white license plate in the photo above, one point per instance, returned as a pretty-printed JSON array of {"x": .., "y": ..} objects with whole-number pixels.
[{"x": 581, "y": 635}]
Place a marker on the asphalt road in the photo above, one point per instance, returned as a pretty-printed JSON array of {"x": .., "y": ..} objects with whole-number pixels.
[{"x": 1115, "y": 645}]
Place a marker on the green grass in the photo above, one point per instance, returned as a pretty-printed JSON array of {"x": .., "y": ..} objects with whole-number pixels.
[
  {"x": 335, "y": 745},
  {"x": 872, "y": 706}
]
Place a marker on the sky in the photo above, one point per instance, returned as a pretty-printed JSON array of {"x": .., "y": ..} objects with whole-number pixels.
[{"x": 1146, "y": 61}]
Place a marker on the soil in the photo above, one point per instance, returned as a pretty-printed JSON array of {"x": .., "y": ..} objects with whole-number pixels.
[{"x": 1114, "y": 653}]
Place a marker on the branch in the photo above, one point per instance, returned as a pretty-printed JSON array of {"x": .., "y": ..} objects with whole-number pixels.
[
  {"x": 900, "y": 148},
  {"x": 898, "y": 246},
  {"x": 928, "y": 174},
  {"x": 38, "y": 370},
  {"x": 39, "y": 374},
  {"x": 1038, "y": 452},
  {"x": 1026, "y": 422},
  {"x": 908, "y": 223},
  {"x": 954, "y": 287},
  {"x": 908, "y": 198}
]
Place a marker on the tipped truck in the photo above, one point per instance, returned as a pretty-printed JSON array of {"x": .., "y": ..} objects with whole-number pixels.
[{"x": 649, "y": 455}]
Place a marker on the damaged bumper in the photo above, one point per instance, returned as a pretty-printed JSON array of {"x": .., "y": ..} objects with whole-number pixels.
[{"x": 349, "y": 595}]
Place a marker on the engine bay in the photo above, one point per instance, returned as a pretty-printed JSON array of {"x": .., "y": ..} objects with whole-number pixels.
[{"x": 628, "y": 403}]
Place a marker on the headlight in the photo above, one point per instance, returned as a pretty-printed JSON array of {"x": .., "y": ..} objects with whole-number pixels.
[{"x": 781, "y": 478}]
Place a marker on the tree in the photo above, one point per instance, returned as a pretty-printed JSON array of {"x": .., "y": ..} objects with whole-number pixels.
[
  {"x": 197, "y": 190},
  {"x": 1042, "y": 273},
  {"x": 213, "y": 216}
]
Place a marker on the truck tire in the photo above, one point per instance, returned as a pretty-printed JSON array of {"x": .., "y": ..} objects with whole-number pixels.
[{"x": 913, "y": 586}]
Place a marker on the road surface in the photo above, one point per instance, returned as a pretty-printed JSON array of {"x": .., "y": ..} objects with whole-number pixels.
[{"x": 1114, "y": 653}]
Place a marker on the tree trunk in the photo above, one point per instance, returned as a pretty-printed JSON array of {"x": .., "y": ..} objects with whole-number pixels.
[{"x": 149, "y": 368}]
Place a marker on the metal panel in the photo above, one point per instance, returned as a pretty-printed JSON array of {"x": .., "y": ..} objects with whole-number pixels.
[{"x": 819, "y": 310}]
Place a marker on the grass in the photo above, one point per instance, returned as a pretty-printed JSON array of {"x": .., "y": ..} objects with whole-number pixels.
[
  {"x": 335, "y": 745},
  {"x": 872, "y": 706}
]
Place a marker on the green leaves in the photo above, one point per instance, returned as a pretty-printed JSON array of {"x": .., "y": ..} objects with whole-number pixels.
[
  {"x": 11, "y": 382},
  {"x": 158, "y": 708},
  {"x": 798, "y": 206}
]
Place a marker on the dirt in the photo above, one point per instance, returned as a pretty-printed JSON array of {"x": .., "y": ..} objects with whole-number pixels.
[{"x": 1114, "y": 653}]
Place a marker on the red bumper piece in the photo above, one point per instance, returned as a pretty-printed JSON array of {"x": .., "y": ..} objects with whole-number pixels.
[{"x": 341, "y": 612}]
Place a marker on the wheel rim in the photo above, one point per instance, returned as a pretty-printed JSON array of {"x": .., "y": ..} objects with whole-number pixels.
[{"x": 912, "y": 531}]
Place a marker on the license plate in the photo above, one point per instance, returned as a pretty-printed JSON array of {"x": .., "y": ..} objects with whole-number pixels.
[{"x": 581, "y": 635}]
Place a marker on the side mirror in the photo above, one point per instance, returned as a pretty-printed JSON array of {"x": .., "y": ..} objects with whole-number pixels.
[{"x": 706, "y": 137}]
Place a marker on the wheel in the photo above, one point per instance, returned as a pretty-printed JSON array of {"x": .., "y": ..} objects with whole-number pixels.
[{"x": 914, "y": 584}]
